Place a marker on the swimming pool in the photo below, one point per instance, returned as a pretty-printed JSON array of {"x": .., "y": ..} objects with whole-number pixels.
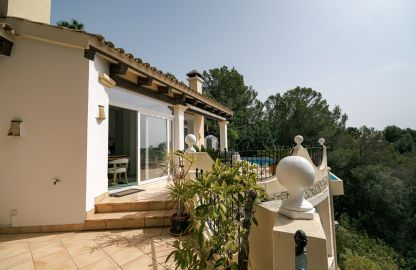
[
  {"x": 333, "y": 177},
  {"x": 259, "y": 160}
]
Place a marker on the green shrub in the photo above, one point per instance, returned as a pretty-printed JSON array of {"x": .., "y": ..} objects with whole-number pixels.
[
  {"x": 357, "y": 247},
  {"x": 360, "y": 263},
  {"x": 225, "y": 199}
]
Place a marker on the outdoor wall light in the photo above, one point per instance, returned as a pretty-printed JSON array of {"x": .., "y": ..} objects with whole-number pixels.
[
  {"x": 15, "y": 128},
  {"x": 101, "y": 112}
]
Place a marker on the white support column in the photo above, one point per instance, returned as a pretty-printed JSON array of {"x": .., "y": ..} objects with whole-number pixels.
[
  {"x": 178, "y": 127},
  {"x": 199, "y": 130},
  {"x": 223, "y": 135}
]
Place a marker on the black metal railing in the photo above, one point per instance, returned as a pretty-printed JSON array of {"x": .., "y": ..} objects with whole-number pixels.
[
  {"x": 264, "y": 161},
  {"x": 316, "y": 154}
]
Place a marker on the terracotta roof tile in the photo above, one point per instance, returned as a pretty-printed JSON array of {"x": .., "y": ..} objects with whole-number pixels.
[
  {"x": 6, "y": 27},
  {"x": 109, "y": 44}
]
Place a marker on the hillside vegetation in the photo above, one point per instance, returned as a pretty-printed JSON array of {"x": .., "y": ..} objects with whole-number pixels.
[{"x": 377, "y": 215}]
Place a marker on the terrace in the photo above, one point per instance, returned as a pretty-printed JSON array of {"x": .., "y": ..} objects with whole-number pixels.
[
  {"x": 115, "y": 249},
  {"x": 132, "y": 230}
]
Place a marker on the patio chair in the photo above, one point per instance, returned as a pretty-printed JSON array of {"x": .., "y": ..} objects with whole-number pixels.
[{"x": 118, "y": 167}]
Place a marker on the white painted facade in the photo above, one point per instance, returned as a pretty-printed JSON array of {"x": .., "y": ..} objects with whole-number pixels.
[
  {"x": 97, "y": 132},
  {"x": 46, "y": 86},
  {"x": 62, "y": 136}
]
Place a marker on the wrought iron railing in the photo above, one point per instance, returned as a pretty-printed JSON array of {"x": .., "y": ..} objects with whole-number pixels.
[{"x": 265, "y": 161}]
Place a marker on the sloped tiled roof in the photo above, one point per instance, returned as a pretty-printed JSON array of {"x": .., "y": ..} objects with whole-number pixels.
[{"x": 122, "y": 54}]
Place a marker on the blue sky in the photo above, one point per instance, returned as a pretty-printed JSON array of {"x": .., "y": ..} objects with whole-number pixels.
[{"x": 360, "y": 54}]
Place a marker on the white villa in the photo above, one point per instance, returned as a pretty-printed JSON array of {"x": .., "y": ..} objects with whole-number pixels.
[{"x": 81, "y": 101}]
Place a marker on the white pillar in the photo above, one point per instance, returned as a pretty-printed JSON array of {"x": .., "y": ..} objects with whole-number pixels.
[
  {"x": 178, "y": 127},
  {"x": 199, "y": 130},
  {"x": 223, "y": 135}
]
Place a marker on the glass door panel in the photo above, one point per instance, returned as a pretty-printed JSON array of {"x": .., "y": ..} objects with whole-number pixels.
[
  {"x": 122, "y": 145},
  {"x": 153, "y": 146}
]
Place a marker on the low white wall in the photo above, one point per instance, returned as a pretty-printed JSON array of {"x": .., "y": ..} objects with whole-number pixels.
[
  {"x": 45, "y": 86},
  {"x": 201, "y": 160},
  {"x": 97, "y": 146},
  {"x": 272, "y": 243}
]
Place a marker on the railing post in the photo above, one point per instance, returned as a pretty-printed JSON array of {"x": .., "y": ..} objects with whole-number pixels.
[
  {"x": 225, "y": 155},
  {"x": 301, "y": 260},
  {"x": 248, "y": 215}
]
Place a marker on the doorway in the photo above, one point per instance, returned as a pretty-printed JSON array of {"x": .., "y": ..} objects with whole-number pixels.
[{"x": 122, "y": 148}]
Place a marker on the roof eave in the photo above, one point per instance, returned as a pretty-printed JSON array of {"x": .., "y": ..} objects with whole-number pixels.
[{"x": 84, "y": 40}]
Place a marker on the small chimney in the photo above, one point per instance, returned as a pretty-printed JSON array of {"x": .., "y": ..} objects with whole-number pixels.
[
  {"x": 34, "y": 10},
  {"x": 195, "y": 80}
]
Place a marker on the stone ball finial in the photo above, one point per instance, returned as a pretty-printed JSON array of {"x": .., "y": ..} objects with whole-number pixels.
[
  {"x": 296, "y": 174},
  {"x": 298, "y": 140},
  {"x": 321, "y": 141},
  {"x": 190, "y": 140}
]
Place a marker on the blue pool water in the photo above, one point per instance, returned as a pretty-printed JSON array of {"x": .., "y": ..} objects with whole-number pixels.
[
  {"x": 333, "y": 177},
  {"x": 259, "y": 160}
]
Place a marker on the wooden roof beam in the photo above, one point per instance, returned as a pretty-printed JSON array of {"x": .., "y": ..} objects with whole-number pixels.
[
  {"x": 144, "y": 81},
  {"x": 118, "y": 69},
  {"x": 5, "y": 46},
  {"x": 164, "y": 89},
  {"x": 181, "y": 99}
]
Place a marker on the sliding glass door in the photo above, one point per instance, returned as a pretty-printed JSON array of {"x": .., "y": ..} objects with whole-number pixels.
[{"x": 154, "y": 146}]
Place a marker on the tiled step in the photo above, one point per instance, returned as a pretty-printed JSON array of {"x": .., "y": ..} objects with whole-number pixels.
[
  {"x": 131, "y": 219},
  {"x": 115, "y": 207}
]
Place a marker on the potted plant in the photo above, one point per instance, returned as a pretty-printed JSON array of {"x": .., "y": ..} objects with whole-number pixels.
[
  {"x": 221, "y": 220},
  {"x": 178, "y": 165}
]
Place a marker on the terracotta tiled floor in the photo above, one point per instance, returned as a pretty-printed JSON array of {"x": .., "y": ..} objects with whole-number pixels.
[{"x": 116, "y": 249}]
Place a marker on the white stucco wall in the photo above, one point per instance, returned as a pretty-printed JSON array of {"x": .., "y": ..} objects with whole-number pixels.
[
  {"x": 46, "y": 86},
  {"x": 97, "y": 149}
]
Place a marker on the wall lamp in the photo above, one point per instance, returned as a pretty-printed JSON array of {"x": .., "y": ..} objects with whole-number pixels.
[
  {"x": 101, "y": 112},
  {"x": 15, "y": 128}
]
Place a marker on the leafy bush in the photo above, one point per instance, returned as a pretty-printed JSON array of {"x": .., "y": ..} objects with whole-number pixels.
[
  {"x": 358, "y": 251},
  {"x": 222, "y": 219},
  {"x": 360, "y": 263}
]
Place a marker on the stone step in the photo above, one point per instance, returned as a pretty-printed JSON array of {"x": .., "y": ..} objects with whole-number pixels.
[
  {"x": 131, "y": 219},
  {"x": 115, "y": 207}
]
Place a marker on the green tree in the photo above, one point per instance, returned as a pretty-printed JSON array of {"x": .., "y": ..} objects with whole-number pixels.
[
  {"x": 403, "y": 139},
  {"x": 227, "y": 87},
  {"x": 72, "y": 24},
  {"x": 392, "y": 133},
  {"x": 302, "y": 111},
  {"x": 405, "y": 143}
]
